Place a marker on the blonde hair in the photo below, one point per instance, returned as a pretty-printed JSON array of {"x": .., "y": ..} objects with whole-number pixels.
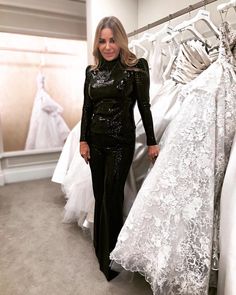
[{"x": 126, "y": 56}]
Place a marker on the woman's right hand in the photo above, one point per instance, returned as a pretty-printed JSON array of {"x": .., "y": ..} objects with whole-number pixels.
[{"x": 85, "y": 151}]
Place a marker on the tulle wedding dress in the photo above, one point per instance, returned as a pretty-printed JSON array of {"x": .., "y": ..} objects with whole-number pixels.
[
  {"x": 47, "y": 127},
  {"x": 75, "y": 177}
]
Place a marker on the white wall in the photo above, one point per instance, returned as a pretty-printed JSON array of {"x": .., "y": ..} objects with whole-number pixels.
[
  {"x": 54, "y": 18},
  {"x": 1, "y": 151},
  {"x": 152, "y": 10},
  {"x": 1, "y": 141},
  {"x": 126, "y": 11}
]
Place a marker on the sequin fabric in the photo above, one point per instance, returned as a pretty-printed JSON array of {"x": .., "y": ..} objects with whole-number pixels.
[
  {"x": 110, "y": 94},
  {"x": 170, "y": 234}
]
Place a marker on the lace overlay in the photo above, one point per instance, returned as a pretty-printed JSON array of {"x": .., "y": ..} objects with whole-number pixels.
[{"x": 172, "y": 227}]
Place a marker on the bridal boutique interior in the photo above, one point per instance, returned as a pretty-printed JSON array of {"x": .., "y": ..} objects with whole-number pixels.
[
  {"x": 46, "y": 226},
  {"x": 24, "y": 59}
]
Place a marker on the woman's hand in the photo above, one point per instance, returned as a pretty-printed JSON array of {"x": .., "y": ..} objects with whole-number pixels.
[
  {"x": 153, "y": 152},
  {"x": 85, "y": 151}
]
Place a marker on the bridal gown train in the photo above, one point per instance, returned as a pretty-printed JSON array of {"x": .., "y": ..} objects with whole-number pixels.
[{"x": 168, "y": 234}]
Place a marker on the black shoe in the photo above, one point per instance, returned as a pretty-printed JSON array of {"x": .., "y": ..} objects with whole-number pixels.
[{"x": 111, "y": 275}]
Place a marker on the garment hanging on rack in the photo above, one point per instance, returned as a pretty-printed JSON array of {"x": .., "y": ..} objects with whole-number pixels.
[
  {"x": 75, "y": 177},
  {"x": 167, "y": 235},
  {"x": 47, "y": 127},
  {"x": 156, "y": 53},
  {"x": 67, "y": 155},
  {"x": 164, "y": 107},
  {"x": 227, "y": 265},
  {"x": 227, "y": 234}
]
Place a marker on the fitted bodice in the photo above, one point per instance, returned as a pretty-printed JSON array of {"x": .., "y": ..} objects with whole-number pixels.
[
  {"x": 110, "y": 94},
  {"x": 192, "y": 60}
]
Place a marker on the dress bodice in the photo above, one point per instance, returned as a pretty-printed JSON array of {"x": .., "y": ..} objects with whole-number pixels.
[
  {"x": 192, "y": 59},
  {"x": 110, "y": 94},
  {"x": 227, "y": 50}
]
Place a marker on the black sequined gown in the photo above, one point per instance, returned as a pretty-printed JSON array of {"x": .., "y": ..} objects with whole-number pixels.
[{"x": 107, "y": 124}]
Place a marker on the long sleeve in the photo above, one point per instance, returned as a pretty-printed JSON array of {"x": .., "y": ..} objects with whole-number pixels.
[
  {"x": 87, "y": 110},
  {"x": 141, "y": 92}
]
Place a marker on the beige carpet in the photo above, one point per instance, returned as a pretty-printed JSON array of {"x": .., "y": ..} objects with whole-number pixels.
[{"x": 39, "y": 255}]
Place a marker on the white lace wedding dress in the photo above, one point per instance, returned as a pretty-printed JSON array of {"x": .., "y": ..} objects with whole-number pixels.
[
  {"x": 164, "y": 106},
  {"x": 227, "y": 235},
  {"x": 168, "y": 234}
]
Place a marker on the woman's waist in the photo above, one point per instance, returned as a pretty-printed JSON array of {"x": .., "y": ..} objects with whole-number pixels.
[{"x": 112, "y": 123}]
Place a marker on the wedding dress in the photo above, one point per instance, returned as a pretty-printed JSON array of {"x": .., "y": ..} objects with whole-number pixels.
[
  {"x": 74, "y": 175},
  {"x": 67, "y": 155},
  {"x": 168, "y": 234},
  {"x": 47, "y": 127},
  {"x": 164, "y": 107},
  {"x": 227, "y": 235},
  {"x": 77, "y": 185}
]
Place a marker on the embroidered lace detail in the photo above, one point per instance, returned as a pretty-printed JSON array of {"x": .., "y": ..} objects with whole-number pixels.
[{"x": 172, "y": 227}]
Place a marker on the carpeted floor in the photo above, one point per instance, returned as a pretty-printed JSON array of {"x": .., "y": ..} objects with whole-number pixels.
[{"x": 39, "y": 255}]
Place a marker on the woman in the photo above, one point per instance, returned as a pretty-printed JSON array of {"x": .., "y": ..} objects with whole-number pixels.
[{"x": 112, "y": 87}]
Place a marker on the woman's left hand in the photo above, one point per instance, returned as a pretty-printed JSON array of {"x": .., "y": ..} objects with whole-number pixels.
[{"x": 153, "y": 152}]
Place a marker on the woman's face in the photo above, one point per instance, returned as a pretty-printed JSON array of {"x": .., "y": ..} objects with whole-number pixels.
[{"x": 107, "y": 46}]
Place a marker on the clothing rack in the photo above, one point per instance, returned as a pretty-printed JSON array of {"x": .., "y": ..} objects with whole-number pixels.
[
  {"x": 172, "y": 16},
  {"x": 225, "y": 6}
]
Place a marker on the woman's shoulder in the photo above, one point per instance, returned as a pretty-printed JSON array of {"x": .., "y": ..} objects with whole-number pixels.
[
  {"x": 142, "y": 64},
  {"x": 88, "y": 74},
  {"x": 88, "y": 71},
  {"x": 88, "y": 68}
]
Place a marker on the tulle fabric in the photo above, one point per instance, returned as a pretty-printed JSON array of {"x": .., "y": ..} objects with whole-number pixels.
[
  {"x": 47, "y": 127},
  {"x": 67, "y": 155},
  {"x": 75, "y": 178}
]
